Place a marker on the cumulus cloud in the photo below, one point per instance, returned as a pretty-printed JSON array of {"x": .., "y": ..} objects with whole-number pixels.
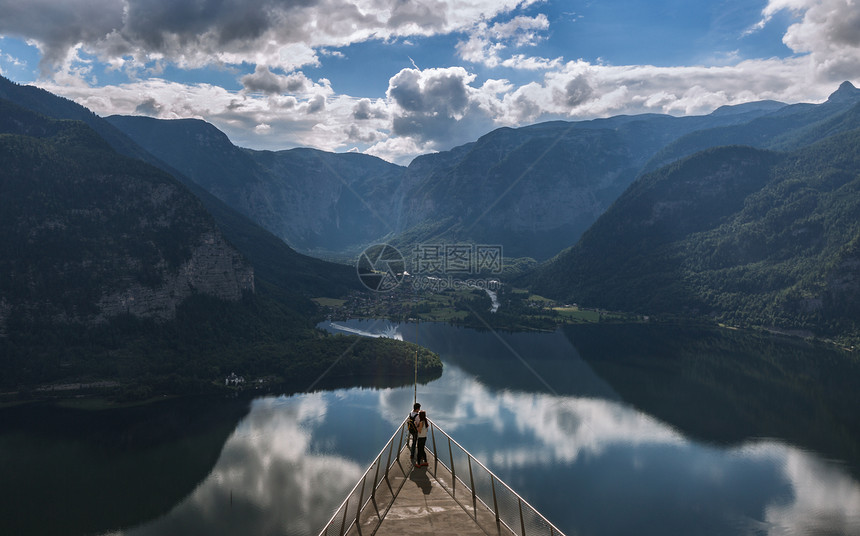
[
  {"x": 398, "y": 150},
  {"x": 359, "y": 135},
  {"x": 316, "y": 104},
  {"x": 437, "y": 107},
  {"x": 423, "y": 110},
  {"x": 365, "y": 110},
  {"x": 149, "y": 106},
  {"x": 828, "y": 30},
  {"x": 432, "y": 91},
  {"x": 211, "y": 32},
  {"x": 577, "y": 91},
  {"x": 265, "y": 81},
  {"x": 486, "y": 42}
]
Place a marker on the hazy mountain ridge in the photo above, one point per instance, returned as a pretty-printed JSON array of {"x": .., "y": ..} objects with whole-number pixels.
[
  {"x": 314, "y": 200},
  {"x": 786, "y": 128},
  {"x": 536, "y": 189},
  {"x": 533, "y": 189}
]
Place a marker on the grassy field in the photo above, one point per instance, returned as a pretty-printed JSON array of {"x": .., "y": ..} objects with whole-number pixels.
[
  {"x": 329, "y": 302},
  {"x": 575, "y": 314},
  {"x": 441, "y": 307}
]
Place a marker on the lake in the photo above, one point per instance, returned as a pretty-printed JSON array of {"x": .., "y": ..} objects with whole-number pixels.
[{"x": 605, "y": 429}]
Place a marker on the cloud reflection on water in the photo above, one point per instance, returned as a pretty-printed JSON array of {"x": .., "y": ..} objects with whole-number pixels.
[
  {"x": 591, "y": 464},
  {"x": 267, "y": 480}
]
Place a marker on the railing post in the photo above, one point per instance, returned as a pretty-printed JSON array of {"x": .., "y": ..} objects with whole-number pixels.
[
  {"x": 399, "y": 447},
  {"x": 472, "y": 482},
  {"x": 435, "y": 455},
  {"x": 387, "y": 466},
  {"x": 453, "y": 472},
  {"x": 495, "y": 503},
  {"x": 360, "y": 499},
  {"x": 375, "y": 482},
  {"x": 522, "y": 521},
  {"x": 345, "y": 510}
]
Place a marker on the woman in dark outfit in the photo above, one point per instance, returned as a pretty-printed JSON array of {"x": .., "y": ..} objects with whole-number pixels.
[{"x": 423, "y": 424}]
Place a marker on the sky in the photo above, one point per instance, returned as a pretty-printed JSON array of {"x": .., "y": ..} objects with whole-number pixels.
[{"x": 400, "y": 78}]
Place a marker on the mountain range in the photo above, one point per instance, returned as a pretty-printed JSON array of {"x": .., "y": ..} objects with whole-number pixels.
[
  {"x": 275, "y": 264},
  {"x": 746, "y": 216},
  {"x": 532, "y": 190},
  {"x": 639, "y": 206},
  {"x": 115, "y": 267},
  {"x": 739, "y": 234}
]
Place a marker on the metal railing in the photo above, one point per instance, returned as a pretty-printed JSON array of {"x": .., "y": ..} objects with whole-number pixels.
[
  {"x": 378, "y": 487},
  {"x": 492, "y": 504}
]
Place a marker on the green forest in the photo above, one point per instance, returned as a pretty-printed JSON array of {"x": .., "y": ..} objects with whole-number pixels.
[{"x": 734, "y": 235}]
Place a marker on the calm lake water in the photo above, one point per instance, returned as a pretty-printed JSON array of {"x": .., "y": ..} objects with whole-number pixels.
[{"x": 604, "y": 429}]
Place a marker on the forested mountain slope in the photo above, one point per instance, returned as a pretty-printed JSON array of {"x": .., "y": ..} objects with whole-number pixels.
[{"x": 737, "y": 234}]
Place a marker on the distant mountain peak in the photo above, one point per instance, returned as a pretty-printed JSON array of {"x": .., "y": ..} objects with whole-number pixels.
[
  {"x": 846, "y": 92},
  {"x": 737, "y": 109}
]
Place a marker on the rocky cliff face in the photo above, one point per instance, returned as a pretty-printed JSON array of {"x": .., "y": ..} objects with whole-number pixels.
[
  {"x": 214, "y": 268},
  {"x": 86, "y": 234}
]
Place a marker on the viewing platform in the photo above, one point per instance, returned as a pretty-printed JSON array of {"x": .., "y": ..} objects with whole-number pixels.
[
  {"x": 423, "y": 506},
  {"x": 453, "y": 494}
]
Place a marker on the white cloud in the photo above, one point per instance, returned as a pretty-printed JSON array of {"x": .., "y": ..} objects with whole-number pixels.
[
  {"x": 531, "y": 63},
  {"x": 365, "y": 109},
  {"x": 265, "y": 81},
  {"x": 434, "y": 109},
  {"x": 213, "y": 32},
  {"x": 398, "y": 150},
  {"x": 315, "y": 105},
  {"x": 362, "y": 135},
  {"x": 438, "y": 108},
  {"x": 423, "y": 110},
  {"x": 487, "y": 42},
  {"x": 828, "y": 30},
  {"x": 268, "y": 461},
  {"x": 521, "y": 30},
  {"x": 12, "y": 60}
]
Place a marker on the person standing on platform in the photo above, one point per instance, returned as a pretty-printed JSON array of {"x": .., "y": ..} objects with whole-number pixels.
[
  {"x": 422, "y": 424},
  {"x": 413, "y": 430}
]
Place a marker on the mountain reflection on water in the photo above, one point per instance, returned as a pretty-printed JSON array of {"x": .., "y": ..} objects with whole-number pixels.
[{"x": 590, "y": 429}]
